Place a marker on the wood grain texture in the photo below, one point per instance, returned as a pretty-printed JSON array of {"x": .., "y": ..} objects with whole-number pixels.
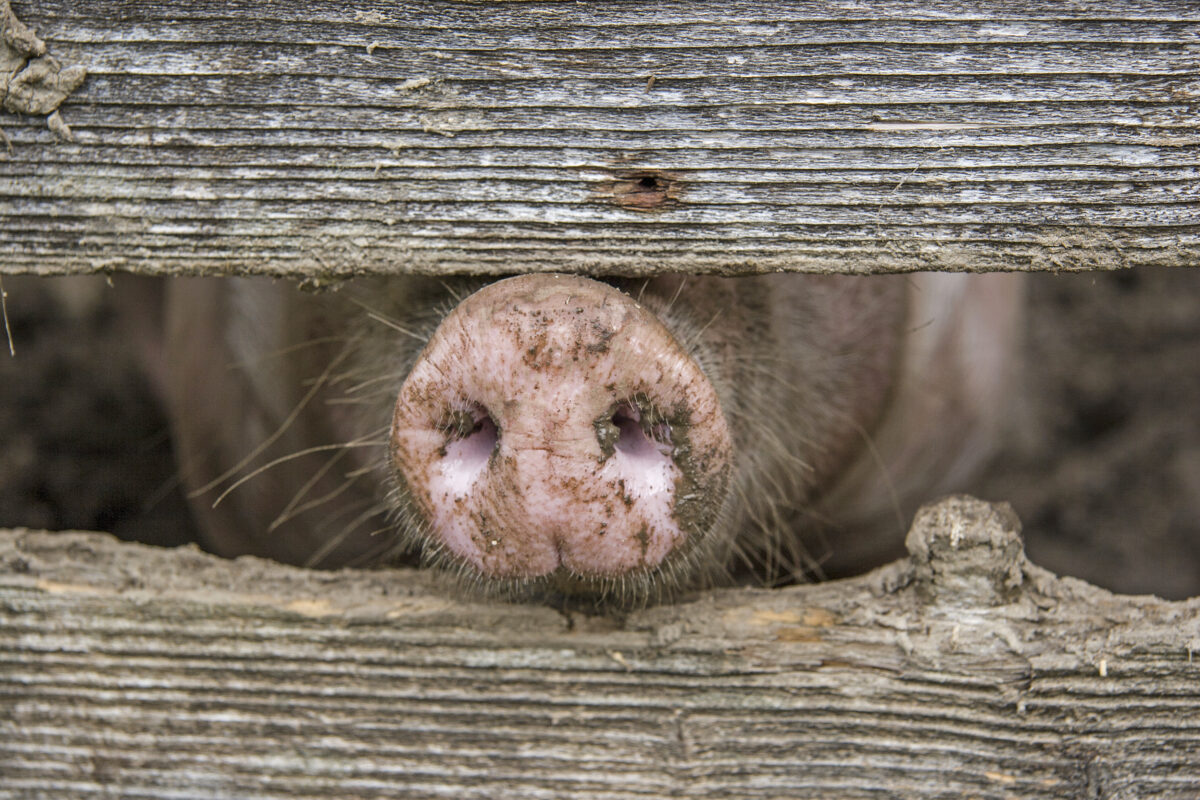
[
  {"x": 127, "y": 671},
  {"x": 320, "y": 139}
]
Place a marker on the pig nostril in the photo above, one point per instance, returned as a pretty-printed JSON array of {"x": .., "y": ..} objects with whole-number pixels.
[
  {"x": 485, "y": 434},
  {"x": 637, "y": 434},
  {"x": 471, "y": 436},
  {"x": 471, "y": 433}
]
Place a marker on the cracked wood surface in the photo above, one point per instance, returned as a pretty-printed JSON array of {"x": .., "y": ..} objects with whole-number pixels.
[
  {"x": 962, "y": 672},
  {"x": 320, "y": 139}
]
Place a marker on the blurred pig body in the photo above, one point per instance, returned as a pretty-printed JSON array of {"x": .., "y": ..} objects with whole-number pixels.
[{"x": 555, "y": 433}]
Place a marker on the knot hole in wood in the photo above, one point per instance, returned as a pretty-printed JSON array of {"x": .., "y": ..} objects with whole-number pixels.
[{"x": 643, "y": 190}]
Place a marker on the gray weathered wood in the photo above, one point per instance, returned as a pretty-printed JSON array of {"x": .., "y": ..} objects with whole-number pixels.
[
  {"x": 323, "y": 138},
  {"x": 127, "y": 671}
]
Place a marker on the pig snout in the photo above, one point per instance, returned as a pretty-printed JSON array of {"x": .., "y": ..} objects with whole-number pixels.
[{"x": 553, "y": 424}]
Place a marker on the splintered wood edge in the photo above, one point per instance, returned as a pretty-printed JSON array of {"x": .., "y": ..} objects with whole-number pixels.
[
  {"x": 982, "y": 593},
  {"x": 962, "y": 671}
]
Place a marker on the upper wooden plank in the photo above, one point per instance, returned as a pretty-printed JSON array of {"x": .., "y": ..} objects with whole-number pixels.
[{"x": 319, "y": 138}]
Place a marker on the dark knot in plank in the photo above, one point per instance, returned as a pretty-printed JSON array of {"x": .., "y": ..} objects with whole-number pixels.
[{"x": 643, "y": 190}]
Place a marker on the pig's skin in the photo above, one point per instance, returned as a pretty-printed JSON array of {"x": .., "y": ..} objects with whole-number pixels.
[{"x": 848, "y": 399}]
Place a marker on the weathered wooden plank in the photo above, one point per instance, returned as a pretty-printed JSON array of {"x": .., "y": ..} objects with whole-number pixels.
[
  {"x": 964, "y": 672},
  {"x": 321, "y": 139}
]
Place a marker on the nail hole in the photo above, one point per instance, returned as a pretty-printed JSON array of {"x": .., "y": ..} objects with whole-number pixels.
[{"x": 644, "y": 190}]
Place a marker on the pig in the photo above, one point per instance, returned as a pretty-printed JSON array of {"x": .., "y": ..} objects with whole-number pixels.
[{"x": 554, "y": 435}]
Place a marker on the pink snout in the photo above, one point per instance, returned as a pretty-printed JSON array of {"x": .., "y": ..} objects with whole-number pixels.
[{"x": 553, "y": 424}]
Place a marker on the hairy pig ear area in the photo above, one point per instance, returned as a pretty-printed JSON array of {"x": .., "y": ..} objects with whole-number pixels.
[{"x": 554, "y": 428}]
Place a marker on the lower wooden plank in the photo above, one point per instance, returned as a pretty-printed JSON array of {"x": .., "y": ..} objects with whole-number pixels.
[{"x": 964, "y": 671}]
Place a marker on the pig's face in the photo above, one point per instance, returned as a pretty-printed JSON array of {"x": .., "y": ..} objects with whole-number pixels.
[{"x": 553, "y": 433}]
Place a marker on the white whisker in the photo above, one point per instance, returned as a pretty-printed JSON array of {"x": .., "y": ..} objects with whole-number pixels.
[
  {"x": 284, "y": 459},
  {"x": 274, "y": 437}
]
